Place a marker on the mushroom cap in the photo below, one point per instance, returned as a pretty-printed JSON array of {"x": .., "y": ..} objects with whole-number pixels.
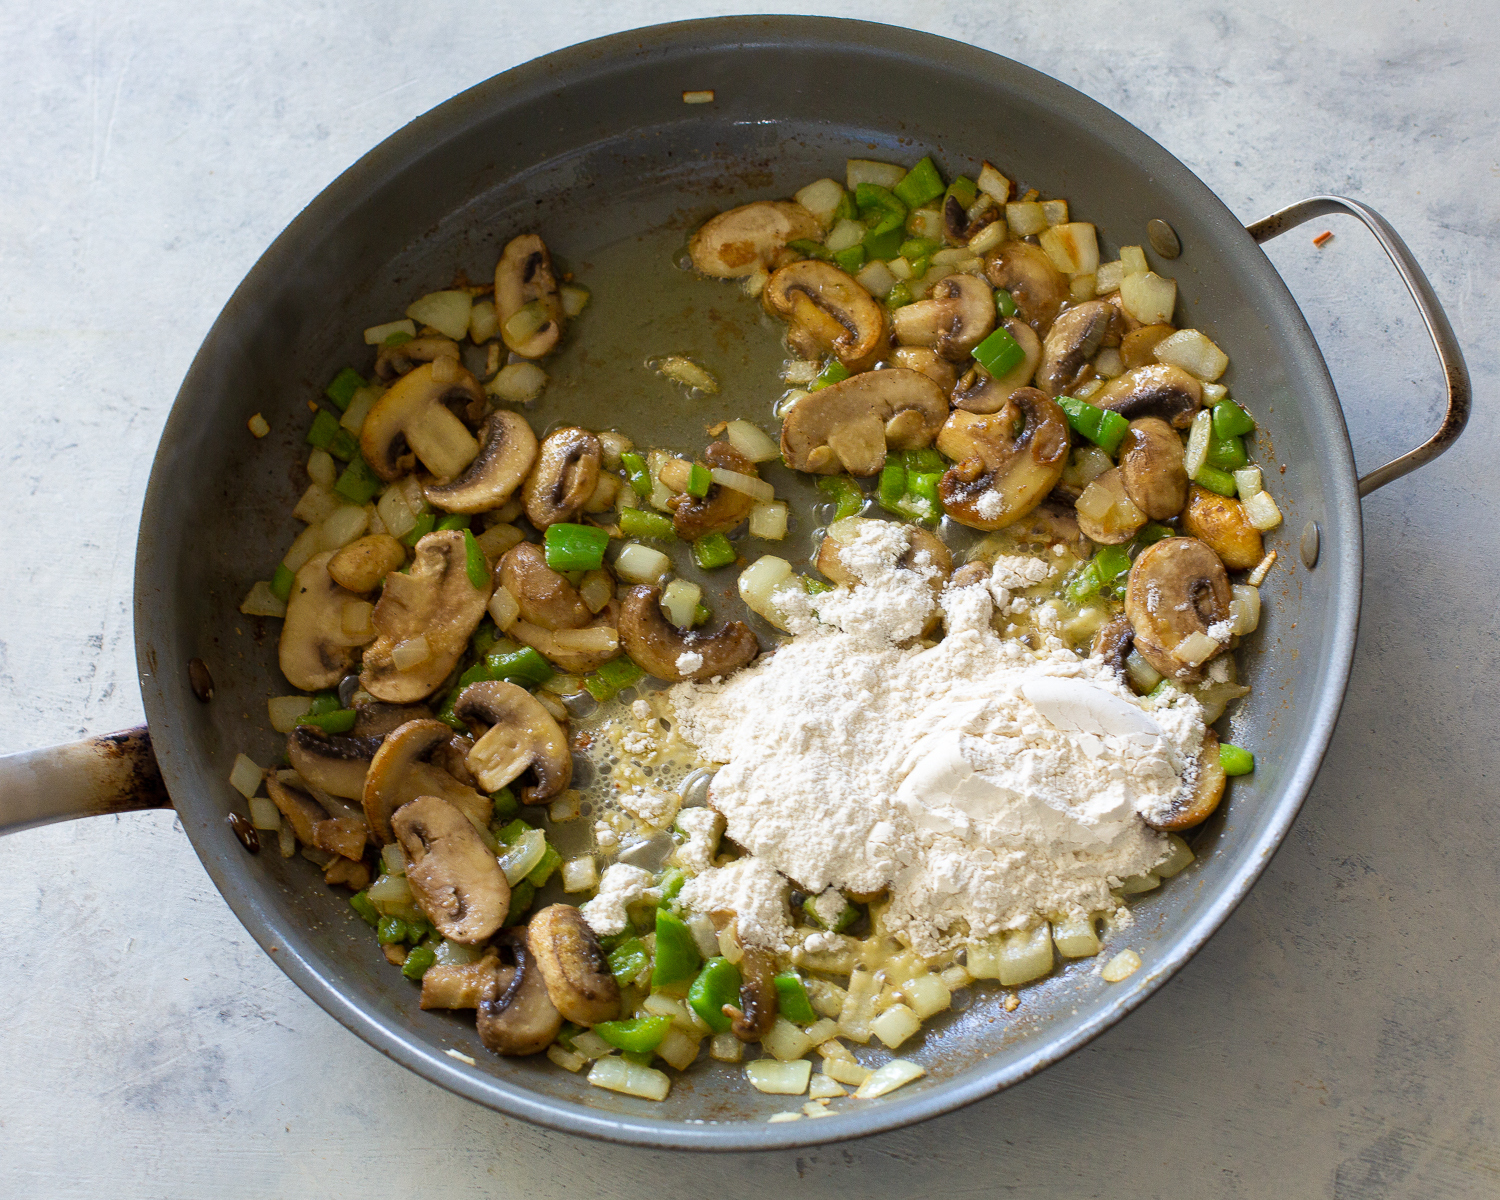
[
  {"x": 957, "y": 315},
  {"x": 834, "y": 306},
  {"x": 999, "y": 474},
  {"x": 507, "y": 448},
  {"x": 1201, "y": 792},
  {"x": 579, "y": 981},
  {"x": 314, "y": 651},
  {"x": 332, "y": 763},
  {"x": 1038, "y": 288},
  {"x": 524, "y": 274},
  {"x": 319, "y": 821},
  {"x": 746, "y": 239},
  {"x": 412, "y": 421},
  {"x": 1152, "y": 461},
  {"x": 391, "y": 362},
  {"x": 980, "y": 392},
  {"x": 376, "y": 719},
  {"x": 1177, "y": 587},
  {"x": 928, "y": 362},
  {"x": 1070, "y": 345},
  {"x": 515, "y": 1014},
  {"x": 452, "y": 873},
  {"x": 435, "y": 600},
  {"x": 398, "y": 775},
  {"x": 848, "y": 425},
  {"x": 563, "y": 477},
  {"x": 363, "y": 563},
  {"x": 656, "y": 644},
  {"x": 1159, "y": 391},
  {"x": 1112, "y": 642},
  {"x": 521, "y": 735},
  {"x": 719, "y": 509},
  {"x": 1221, "y": 524},
  {"x": 756, "y": 1014},
  {"x": 546, "y": 598}
]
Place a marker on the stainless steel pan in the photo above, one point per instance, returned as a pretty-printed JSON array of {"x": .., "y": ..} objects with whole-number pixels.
[{"x": 594, "y": 146}]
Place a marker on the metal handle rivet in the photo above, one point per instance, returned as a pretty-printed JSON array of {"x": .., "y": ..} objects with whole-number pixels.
[
  {"x": 1163, "y": 238},
  {"x": 1311, "y": 542}
]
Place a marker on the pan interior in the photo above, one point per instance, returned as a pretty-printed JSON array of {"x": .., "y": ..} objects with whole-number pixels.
[{"x": 594, "y": 149}]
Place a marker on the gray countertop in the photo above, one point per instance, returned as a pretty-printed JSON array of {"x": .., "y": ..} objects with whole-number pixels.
[{"x": 1338, "y": 1037}]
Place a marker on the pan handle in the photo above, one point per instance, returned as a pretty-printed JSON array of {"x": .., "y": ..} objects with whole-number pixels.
[
  {"x": 114, "y": 773},
  {"x": 1438, "y": 328}
]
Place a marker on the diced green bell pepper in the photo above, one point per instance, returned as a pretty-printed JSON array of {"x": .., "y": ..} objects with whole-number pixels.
[
  {"x": 834, "y": 372},
  {"x": 1215, "y": 480},
  {"x": 637, "y": 473},
  {"x": 713, "y": 550},
  {"x": 699, "y": 480},
  {"x": 539, "y": 874},
  {"x": 1230, "y": 420},
  {"x": 1226, "y": 453},
  {"x": 344, "y": 385},
  {"x": 847, "y": 495},
  {"x": 572, "y": 547},
  {"x": 999, "y": 354},
  {"x": 671, "y": 883},
  {"x": 639, "y": 1035},
  {"x": 1102, "y": 426},
  {"x": 1110, "y": 562},
  {"x": 357, "y": 483},
  {"x": 918, "y": 248},
  {"x": 521, "y": 897},
  {"x": 1084, "y": 583},
  {"x": 815, "y": 587},
  {"x": 892, "y": 485},
  {"x": 677, "y": 957},
  {"x": 340, "y": 720},
  {"x": 791, "y": 999},
  {"x": 327, "y": 434},
  {"x": 524, "y": 666},
  {"x": 612, "y": 678},
  {"x": 281, "y": 582},
  {"x": 717, "y": 984},
  {"x": 642, "y": 523},
  {"x": 810, "y": 249},
  {"x": 1235, "y": 760},
  {"x": 921, "y": 184},
  {"x": 1005, "y": 303},
  {"x": 628, "y": 959},
  {"x": 418, "y": 959},
  {"x": 476, "y": 566},
  {"x": 425, "y": 522},
  {"x": 391, "y": 930},
  {"x": 850, "y": 259},
  {"x": 360, "y": 903},
  {"x": 506, "y": 804}
]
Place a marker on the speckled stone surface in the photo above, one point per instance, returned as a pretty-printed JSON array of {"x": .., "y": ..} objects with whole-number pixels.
[{"x": 1338, "y": 1038}]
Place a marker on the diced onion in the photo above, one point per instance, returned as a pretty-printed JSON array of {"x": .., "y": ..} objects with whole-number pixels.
[
  {"x": 1148, "y": 297},
  {"x": 769, "y": 520},
  {"x": 1254, "y": 579},
  {"x": 876, "y": 278},
  {"x": 1177, "y": 861},
  {"x": 1261, "y": 511},
  {"x": 701, "y": 926},
  {"x": 641, "y": 564},
  {"x": 759, "y": 582},
  {"x": 824, "y": 1087},
  {"x": 580, "y": 874},
  {"x": 518, "y": 383},
  {"x": 779, "y": 1078},
  {"x": 245, "y": 776},
  {"x": 680, "y": 599},
  {"x": 785, "y": 1042},
  {"x": 1075, "y": 937},
  {"x": 565, "y": 1058},
  {"x": 988, "y": 238},
  {"x": 569, "y": 805},
  {"x": 1056, "y": 211},
  {"x": 395, "y": 514},
  {"x": 497, "y": 539},
  {"x": 258, "y": 425},
  {"x": 595, "y": 639},
  {"x": 926, "y": 995},
  {"x": 317, "y": 503},
  {"x": 597, "y": 590},
  {"x": 686, "y": 371},
  {"x": 1199, "y": 437},
  {"x": 344, "y": 525},
  {"x": 894, "y": 1074},
  {"x": 726, "y": 1048},
  {"x": 821, "y": 198},
  {"x": 752, "y": 441},
  {"x": 1024, "y": 955},
  {"x": 994, "y": 184},
  {"x": 925, "y": 222},
  {"x": 264, "y": 814},
  {"x": 411, "y": 652},
  {"x": 285, "y": 711},
  {"x": 1073, "y": 247},
  {"x": 321, "y": 468},
  {"x": 375, "y": 335},
  {"x": 1248, "y": 481},
  {"x": 1109, "y": 363},
  {"x": 1108, "y": 277},
  {"x": 1195, "y": 649},
  {"x": 755, "y": 282},
  {"x": 1133, "y": 260},
  {"x": 1143, "y": 676},
  {"x": 447, "y": 312},
  {"x": 359, "y": 408},
  {"x": 1134, "y": 885},
  {"x": 1081, "y": 288},
  {"x": 621, "y": 1075},
  {"x": 895, "y": 1025},
  {"x": 356, "y": 617},
  {"x": 521, "y": 858},
  {"x": 863, "y": 170},
  {"x": 483, "y": 322},
  {"x": 1084, "y": 391},
  {"x": 747, "y": 485},
  {"x": 1244, "y": 608},
  {"x": 845, "y": 234},
  {"x": 1193, "y": 352},
  {"x": 261, "y": 601},
  {"x": 526, "y": 321},
  {"x": 801, "y": 371},
  {"x": 1213, "y": 393},
  {"x": 678, "y": 1049},
  {"x": 591, "y": 1045},
  {"x": 1025, "y": 217},
  {"x": 1122, "y": 966}
]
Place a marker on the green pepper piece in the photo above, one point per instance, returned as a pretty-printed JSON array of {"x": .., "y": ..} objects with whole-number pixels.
[
  {"x": 884, "y": 240},
  {"x": 476, "y": 566},
  {"x": 550, "y": 861},
  {"x": 399, "y": 338},
  {"x": 639, "y": 1035},
  {"x": 791, "y": 999},
  {"x": 447, "y": 716},
  {"x": 391, "y": 930},
  {"x": 923, "y": 461},
  {"x": 628, "y": 959},
  {"x": 717, "y": 984},
  {"x": 1230, "y": 420},
  {"x": 671, "y": 883},
  {"x": 324, "y": 429},
  {"x": 810, "y": 249},
  {"x": 524, "y": 666},
  {"x": 847, "y": 915},
  {"x": 1152, "y": 534},
  {"x": 815, "y": 587},
  {"x": 575, "y": 547},
  {"x": 964, "y": 190},
  {"x": 919, "y": 248},
  {"x": 324, "y": 702},
  {"x": 1005, "y": 303},
  {"x": 699, "y": 480},
  {"x": 360, "y": 903},
  {"x": 844, "y": 492},
  {"x": 642, "y": 523},
  {"x": 483, "y": 638},
  {"x": 344, "y": 385},
  {"x": 677, "y": 957},
  {"x": 1102, "y": 426},
  {"x": 1228, "y": 453},
  {"x": 451, "y": 521},
  {"x": 418, "y": 959},
  {"x": 701, "y": 614},
  {"x": 1235, "y": 760},
  {"x": 850, "y": 259},
  {"x": 1215, "y": 480},
  {"x": 999, "y": 353},
  {"x": 507, "y": 835},
  {"x": 478, "y": 673},
  {"x": 1084, "y": 583},
  {"x": 613, "y": 677},
  {"x": 1110, "y": 562},
  {"x": 878, "y": 202},
  {"x": 521, "y": 897},
  {"x": 921, "y": 184},
  {"x": 711, "y": 551},
  {"x": 339, "y": 721},
  {"x": 892, "y": 485},
  {"x": 506, "y": 804},
  {"x": 919, "y": 267},
  {"x": 357, "y": 483},
  {"x": 898, "y": 297},
  {"x": 425, "y": 522},
  {"x": 834, "y": 372},
  {"x": 921, "y": 502},
  {"x": 281, "y": 582},
  {"x": 846, "y": 210},
  {"x": 637, "y": 473}
]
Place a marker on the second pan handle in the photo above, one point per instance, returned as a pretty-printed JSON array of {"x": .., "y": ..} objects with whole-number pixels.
[{"x": 114, "y": 773}]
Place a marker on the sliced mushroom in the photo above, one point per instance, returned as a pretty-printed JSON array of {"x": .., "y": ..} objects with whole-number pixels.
[
  {"x": 829, "y": 311},
  {"x": 746, "y": 239},
  {"x": 658, "y": 646},
  {"x": 412, "y": 421},
  {"x": 329, "y": 828},
  {"x": 398, "y": 774},
  {"x": 720, "y": 509},
  {"x": 331, "y": 763},
  {"x": 926, "y": 360},
  {"x": 1160, "y": 391},
  {"x": 756, "y": 1014},
  {"x": 959, "y": 228},
  {"x": 1220, "y": 523},
  {"x": 524, "y": 276},
  {"x": 980, "y": 392},
  {"x": 1198, "y": 799},
  {"x": 564, "y": 476},
  {"x": 315, "y": 652},
  {"x": 515, "y": 1015},
  {"x": 452, "y": 757},
  {"x": 1177, "y": 589},
  {"x": 436, "y": 602},
  {"x": 579, "y": 981},
  {"x": 1152, "y": 464},
  {"x": 391, "y": 362},
  {"x": 376, "y": 719},
  {"x": 1112, "y": 643},
  {"x": 1038, "y": 288},
  {"x": 457, "y": 985},
  {"x": 1137, "y": 347},
  {"x": 957, "y": 315},
  {"x": 362, "y": 564},
  {"x": 1005, "y": 463},
  {"x": 518, "y": 735},
  {"x": 1070, "y": 345},
  {"x": 452, "y": 873},
  {"x": 1106, "y": 513},
  {"x": 545, "y": 596},
  {"x": 848, "y": 426},
  {"x": 507, "y": 448}
]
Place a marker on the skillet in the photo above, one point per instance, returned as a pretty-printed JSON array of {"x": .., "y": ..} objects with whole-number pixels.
[{"x": 594, "y": 147}]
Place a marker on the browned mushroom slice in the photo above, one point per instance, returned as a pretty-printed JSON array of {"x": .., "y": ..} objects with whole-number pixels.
[
  {"x": 1177, "y": 591},
  {"x": 518, "y": 735},
  {"x": 331, "y": 828},
  {"x": 376, "y": 719},
  {"x": 957, "y": 315},
  {"x": 457, "y": 985},
  {"x": 1038, "y": 288},
  {"x": 1221, "y": 524},
  {"x": 926, "y": 360},
  {"x": 1152, "y": 463},
  {"x": 666, "y": 652},
  {"x": 746, "y": 239},
  {"x": 829, "y": 311},
  {"x": 412, "y": 421},
  {"x": 1070, "y": 345},
  {"x": 959, "y": 227},
  {"x": 545, "y": 597},
  {"x": 980, "y": 392},
  {"x": 1106, "y": 513},
  {"x": 398, "y": 775},
  {"x": 391, "y": 362},
  {"x": 848, "y": 426},
  {"x": 721, "y": 508},
  {"x": 452, "y": 873},
  {"x": 362, "y": 564},
  {"x": 1160, "y": 391},
  {"x": 524, "y": 280},
  {"x": 1005, "y": 463},
  {"x": 1112, "y": 643},
  {"x": 335, "y": 764},
  {"x": 573, "y": 965},
  {"x": 756, "y": 1014},
  {"x": 315, "y": 652},
  {"x": 1200, "y": 797},
  {"x": 563, "y": 478},
  {"x": 507, "y": 448},
  {"x": 1137, "y": 348},
  {"x": 516, "y": 1016}
]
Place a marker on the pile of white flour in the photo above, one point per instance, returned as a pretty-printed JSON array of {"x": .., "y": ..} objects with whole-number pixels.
[{"x": 983, "y": 783}]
